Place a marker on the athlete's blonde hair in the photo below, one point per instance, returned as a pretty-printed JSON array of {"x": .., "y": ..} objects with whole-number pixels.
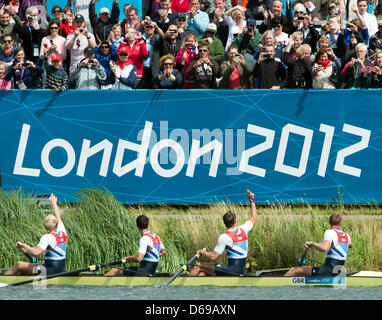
[{"x": 50, "y": 222}]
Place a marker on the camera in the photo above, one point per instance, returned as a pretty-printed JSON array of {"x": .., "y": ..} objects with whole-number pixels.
[
  {"x": 237, "y": 55},
  {"x": 267, "y": 56},
  {"x": 348, "y": 25},
  {"x": 91, "y": 61},
  {"x": 148, "y": 22},
  {"x": 81, "y": 30},
  {"x": 301, "y": 18},
  {"x": 25, "y": 64}
]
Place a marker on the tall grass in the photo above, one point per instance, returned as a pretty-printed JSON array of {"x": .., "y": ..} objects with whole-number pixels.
[{"x": 100, "y": 229}]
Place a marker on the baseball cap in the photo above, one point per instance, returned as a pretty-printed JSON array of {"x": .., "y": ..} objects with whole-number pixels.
[
  {"x": 89, "y": 50},
  {"x": 104, "y": 10},
  {"x": 211, "y": 27},
  {"x": 181, "y": 15},
  {"x": 79, "y": 17},
  {"x": 122, "y": 49},
  {"x": 56, "y": 57}
]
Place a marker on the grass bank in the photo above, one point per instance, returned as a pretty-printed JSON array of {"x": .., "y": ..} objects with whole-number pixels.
[{"x": 100, "y": 229}]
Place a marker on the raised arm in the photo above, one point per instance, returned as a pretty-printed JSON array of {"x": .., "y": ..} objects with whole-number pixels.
[
  {"x": 56, "y": 211},
  {"x": 251, "y": 198}
]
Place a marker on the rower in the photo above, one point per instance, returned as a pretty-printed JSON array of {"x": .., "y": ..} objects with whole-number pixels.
[
  {"x": 150, "y": 249},
  {"x": 52, "y": 244},
  {"x": 234, "y": 241},
  {"x": 336, "y": 243}
]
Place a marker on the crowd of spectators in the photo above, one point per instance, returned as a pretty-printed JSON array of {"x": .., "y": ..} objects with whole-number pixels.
[{"x": 191, "y": 44}]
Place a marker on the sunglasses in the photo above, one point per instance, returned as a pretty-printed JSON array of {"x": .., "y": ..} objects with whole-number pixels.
[
  {"x": 8, "y": 41},
  {"x": 299, "y": 12},
  {"x": 168, "y": 64},
  {"x": 203, "y": 50},
  {"x": 123, "y": 54},
  {"x": 104, "y": 47},
  {"x": 54, "y": 28},
  {"x": 57, "y": 11},
  {"x": 182, "y": 19}
]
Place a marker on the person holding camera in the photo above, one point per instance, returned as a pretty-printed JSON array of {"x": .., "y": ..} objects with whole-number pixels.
[
  {"x": 89, "y": 73},
  {"x": 77, "y": 41},
  {"x": 168, "y": 77},
  {"x": 372, "y": 76},
  {"x": 305, "y": 25},
  {"x": 53, "y": 43},
  {"x": 270, "y": 15},
  {"x": 325, "y": 66},
  {"x": 268, "y": 72},
  {"x": 235, "y": 71},
  {"x": 23, "y": 73}
]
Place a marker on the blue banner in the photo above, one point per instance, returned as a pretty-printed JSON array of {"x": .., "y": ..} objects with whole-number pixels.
[{"x": 191, "y": 146}]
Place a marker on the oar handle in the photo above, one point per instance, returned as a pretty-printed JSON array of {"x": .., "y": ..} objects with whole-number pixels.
[
  {"x": 301, "y": 261},
  {"x": 182, "y": 269}
]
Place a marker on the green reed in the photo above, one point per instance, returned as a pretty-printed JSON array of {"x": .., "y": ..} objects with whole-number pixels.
[{"x": 100, "y": 229}]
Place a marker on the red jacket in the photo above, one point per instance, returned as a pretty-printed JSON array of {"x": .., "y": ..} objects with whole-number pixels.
[
  {"x": 137, "y": 52},
  {"x": 180, "y": 6}
]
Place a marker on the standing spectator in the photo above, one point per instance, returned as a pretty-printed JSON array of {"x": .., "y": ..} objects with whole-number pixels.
[
  {"x": 170, "y": 43},
  {"x": 270, "y": 73},
  {"x": 89, "y": 74},
  {"x": 4, "y": 84},
  {"x": 235, "y": 72},
  {"x": 6, "y": 55},
  {"x": 168, "y": 77},
  {"x": 104, "y": 54},
  {"x": 370, "y": 19},
  {"x": 255, "y": 8},
  {"x": 310, "y": 33},
  {"x": 181, "y": 24},
  {"x": 131, "y": 19},
  {"x": 373, "y": 77},
  {"x": 53, "y": 44},
  {"x": 58, "y": 14},
  {"x": 56, "y": 77},
  {"x": 217, "y": 17},
  {"x": 81, "y": 7},
  {"x": 203, "y": 70},
  {"x": 24, "y": 5},
  {"x": 5, "y": 26},
  {"x": 115, "y": 37},
  {"x": 216, "y": 49},
  {"x": 136, "y": 49},
  {"x": 180, "y": 6},
  {"x": 31, "y": 35},
  {"x": 123, "y": 74},
  {"x": 165, "y": 16},
  {"x": 67, "y": 26},
  {"x": 325, "y": 66},
  {"x": 282, "y": 38},
  {"x": 77, "y": 41},
  {"x": 236, "y": 23},
  {"x": 268, "y": 39},
  {"x": 197, "y": 20},
  {"x": 375, "y": 42},
  {"x": 333, "y": 31},
  {"x": 348, "y": 51},
  {"x": 323, "y": 43},
  {"x": 211, "y": 5},
  {"x": 295, "y": 42},
  {"x": 276, "y": 12},
  {"x": 186, "y": 55},
  {"x": 24, "y": 74},
  {"x": 104, "y": 24}
]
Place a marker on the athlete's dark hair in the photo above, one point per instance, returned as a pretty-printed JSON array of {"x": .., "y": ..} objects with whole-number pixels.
[
  {"x": 229, "y": 219},
  {"x": 335, "y": 219},
  {"x": 142, "y": 222}
]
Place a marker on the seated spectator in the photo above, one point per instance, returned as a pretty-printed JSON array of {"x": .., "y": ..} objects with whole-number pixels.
[
  {"x": 236, "y": 23},
  {"x": 56, "y": 77},
  {"x": 324, "y": 69},
  {"x": 136, "y": 49},
  {"x": 165, "y": 16},
  {"x": 372, "y": 76},
  {"x": 185, "y": 56},
  {"x": 24, "y": 74},
  {"x": 103, "y": 24},
  {"x": 216, "y": 49},
  {"x": 115, "y": 36},
  {"x": 123, "y": 73},
  {"x": 131, "y": 19},
  {"x": 6, "y": 55},
  {"x": 67, "y": 26},
  {"x": 170, "y": 43},
  {"x": 351, "y": 74},
  {"x": 77, "y": 41},
  {"x": 203, "y": 70},
  {"x": 53, "y": 43},
  {"x": 235, "y": 72},
  {"x": 5, "y": 26},
  {"x": 274, "y": 13},
  {"x": 269, "y": 72},
  {"x": 348, "y": 51},
  {"x": 248, "y": 42},
  {"x": 89, "y": 74},
  {"x": 217, "y": 17},
  {"x": 168, "y": 77},
  {"x": 31, "y": 35},
  {"x": 269, "y": 39},
  {"x": 104, "y": 54},
  {"x": 375, "y": 41},
  {"x": 298, "y": 70},
  {"x": 197, "y": 20},
  {"x": 4, "y": 84}
]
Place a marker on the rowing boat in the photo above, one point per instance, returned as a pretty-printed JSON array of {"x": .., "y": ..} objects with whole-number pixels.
[{"x": 360, "y": 279}]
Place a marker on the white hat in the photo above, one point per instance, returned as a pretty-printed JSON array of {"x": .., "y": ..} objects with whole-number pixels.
[
  {"x": 211, "y": 27},
  {"x": 104, "y": 10}
]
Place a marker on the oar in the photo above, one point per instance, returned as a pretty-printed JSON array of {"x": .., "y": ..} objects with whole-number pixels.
[
  {"x": 316, "y": 261},
  {"x": 260, "y": 272},
  {"x": 301, "y": 261},
  {"x": 182, "y": 269},
  {"x": 93, "y": 267}
]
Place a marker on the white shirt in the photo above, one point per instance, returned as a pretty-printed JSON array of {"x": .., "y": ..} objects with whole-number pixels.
[
  {"x": 331, "y": 236},
  {"x": 145, "y": 244},
  {"x": 233, "y": 28}
]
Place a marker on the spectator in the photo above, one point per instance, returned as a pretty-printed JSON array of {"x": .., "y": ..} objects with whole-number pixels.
[
  {"x": 324, "y": 69},
  {"x": 131, "y": 19},
  {"x": 217, "y": 17},
  {"x": 115, "y": 36},
  {"x": 310, "y": 33},
  {"x": 323, "y": 43},
  {"x": 235, "y": 72},
  {"x": 299, "y": 17},
  {"x": 67, "y": 26},
  {"x": 351, "y": 74},
  {"x": 77, "y": 41},
  {"x": 168, "y": 77},
  {"x": 104, "y": 24},
  {"x": 332, "y": 31},
  {"x": 24, "y": 74},
  {"x": 170, "y": 43},
  {"x": 181, "y": 24},
  {"x": 137, "y": 50},
  {"x": 5, "y": 26},
  {"x": 211, "y": 5},
  {"x": 375, "y": 42},
  {"x": 31, "y": 35},
  {"x": 6, "y": 55},
  {"x": 81, "y": 7},
  {"x": 104, "y": 54},
  {"x": 372, "y": 78},
  {"x": 203, "y": 70},
  {"x": 236, "y": 23},
  {"x": 295, "y": 42},
  {"x": 56, "y": 77},
  {"x": 52, "y": 44},
  {"x": 298, "y": 70},
  {"x": 58, "y": 14},
  {"x": 216, "y": 49},
  {"x": 282, "y": 38},
  {"x": 165, "y": 16},
  {"x": 270, "y": 73},
  {"x": 180, "y": 6},
  {"x": 4, "y": 84},
  {"x": 370, "y": 19},
  {"x": 270, "y": 15},
  {"x": 123, "y": 73},
  {"x": 255, "y": 8},
  {"x": 197, "y": 20},
  {"x": 24, "y": 5},
  {"x": 185, "y": 56},
  {"x": 358, "y": 24},
  {"x": 89, "y": 74},
  {"x": 317, "y": 8},
  {"x": 268, "y": 39},
  {"x": 348, "y": 51}
]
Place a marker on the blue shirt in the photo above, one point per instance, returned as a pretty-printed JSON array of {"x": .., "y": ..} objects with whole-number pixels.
[{"x": 199, "y": 23}]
